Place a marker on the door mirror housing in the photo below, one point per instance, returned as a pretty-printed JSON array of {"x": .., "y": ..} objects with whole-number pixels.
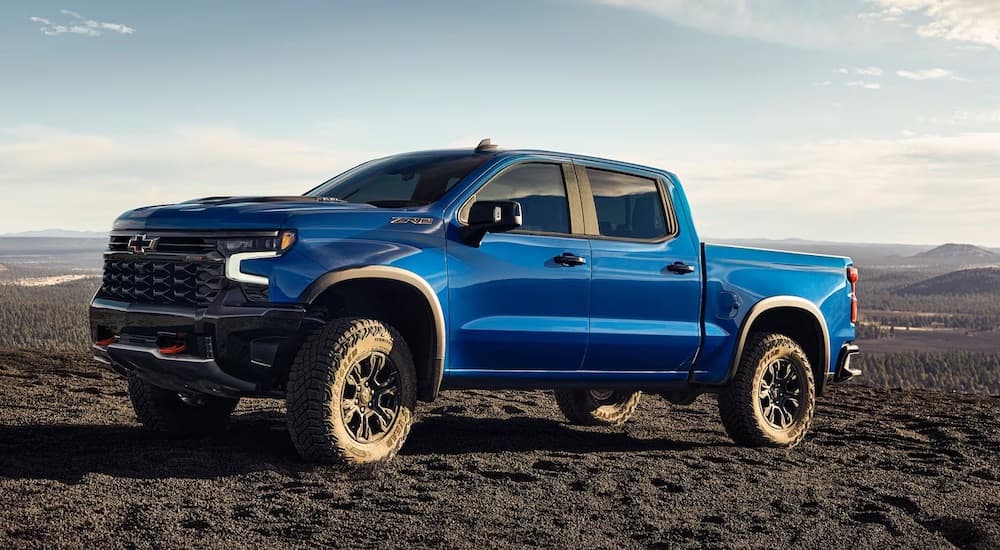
[{"x": 490, "y": 217}]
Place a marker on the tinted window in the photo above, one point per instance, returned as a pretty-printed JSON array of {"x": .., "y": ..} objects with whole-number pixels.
[
  {"x": 627, "y": 206},
  {"x": 541, "y": 191},
  {"x": 402, "y": 180}
]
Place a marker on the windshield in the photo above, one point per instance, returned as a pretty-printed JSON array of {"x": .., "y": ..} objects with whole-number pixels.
[{"x": 402, "y": 180}]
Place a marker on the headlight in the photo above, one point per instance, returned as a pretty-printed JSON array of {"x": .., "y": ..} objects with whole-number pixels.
[
  {"x": 253, "y": 248},
  {"x": 279, "y": 243}
]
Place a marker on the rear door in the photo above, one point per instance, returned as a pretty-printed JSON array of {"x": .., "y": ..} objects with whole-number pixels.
[
  {"x": 516, "y": 302},
  {"x": 645, "y": 299}
]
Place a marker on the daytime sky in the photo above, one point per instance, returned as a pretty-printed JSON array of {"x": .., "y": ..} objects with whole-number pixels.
[{"x": 861, "y": 120}]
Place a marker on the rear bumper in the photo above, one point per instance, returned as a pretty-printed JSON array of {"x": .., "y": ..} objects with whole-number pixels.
[
  {"x": 844, "y": 370},
  {"x": 227, "y": 349}
]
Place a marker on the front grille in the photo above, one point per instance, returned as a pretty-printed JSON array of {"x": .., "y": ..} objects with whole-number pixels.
[
  {"x": 162, "y": 281},
  {"x": 172, "y": 244}
]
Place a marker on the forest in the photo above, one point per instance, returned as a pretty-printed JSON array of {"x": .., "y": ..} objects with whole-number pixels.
[
  {"x": 46, "y": 317},
  {"x": 959, "y": 371}
]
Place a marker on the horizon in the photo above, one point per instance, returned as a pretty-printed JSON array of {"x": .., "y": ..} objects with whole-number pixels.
[
  {"x": 90, "y": 234},
  {"x": 863, "y": 121}
]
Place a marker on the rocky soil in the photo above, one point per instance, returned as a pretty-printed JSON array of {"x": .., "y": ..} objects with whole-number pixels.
[{"x": 913, "y": 469}]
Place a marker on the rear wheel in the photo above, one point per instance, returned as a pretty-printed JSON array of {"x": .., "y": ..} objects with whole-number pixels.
[
  {"x": 168, "y": 411},
  {"x": 596, "y": 407},
  {"x": 351, "y": 393},
  {"x": 772, "y": 398}
]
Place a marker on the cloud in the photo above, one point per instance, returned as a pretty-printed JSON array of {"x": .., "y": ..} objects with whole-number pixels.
[
  {"x": 868, "y": 71},
  {"x": 973, "y": 22},
  {"x": 79, "y": 25},
  {"x": 927, "y": 188},
  {"x": 84, "y": 180},
  {"x": 966, "y": 119},
  {"x": 865, "y": 85},
  {"x": 842, "y": 70},
  {"x": 850, "y": 189},
  {"x": 931, "y": 74},
  {"x": 771, "y": 21}
]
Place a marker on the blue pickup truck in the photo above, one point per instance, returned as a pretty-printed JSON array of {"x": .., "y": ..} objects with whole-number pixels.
[{"x": 469, "y": 268}]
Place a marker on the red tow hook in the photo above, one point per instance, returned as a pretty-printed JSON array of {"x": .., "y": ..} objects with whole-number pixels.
[
  {"x": 105, "y": 342},
  {"x": 174, "y": 349}
]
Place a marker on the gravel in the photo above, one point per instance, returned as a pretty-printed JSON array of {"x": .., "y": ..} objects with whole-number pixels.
[{"x": 916, "y": 469}]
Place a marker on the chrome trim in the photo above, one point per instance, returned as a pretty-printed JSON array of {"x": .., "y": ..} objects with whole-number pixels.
[
  {"x": 156, "y": 353},
  {"x": 233, "y": 272}
]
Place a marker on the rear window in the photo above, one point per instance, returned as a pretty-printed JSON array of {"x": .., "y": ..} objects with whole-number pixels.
[{"x": 628, "y": 207}]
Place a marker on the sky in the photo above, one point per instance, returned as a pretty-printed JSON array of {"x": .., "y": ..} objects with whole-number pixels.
[{"x": 856, "y": 120}]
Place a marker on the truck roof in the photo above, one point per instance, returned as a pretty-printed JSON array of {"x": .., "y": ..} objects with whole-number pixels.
[{"x": 497, "y": 152}]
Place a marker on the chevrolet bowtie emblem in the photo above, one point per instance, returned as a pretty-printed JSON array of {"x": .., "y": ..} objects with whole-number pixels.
[{"x": 140, "y": 244}]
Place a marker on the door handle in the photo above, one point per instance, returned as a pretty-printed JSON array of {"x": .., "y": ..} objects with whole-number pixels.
[
  {"x": 680, "y": 268},
  {"x": 569, "y": 259}
]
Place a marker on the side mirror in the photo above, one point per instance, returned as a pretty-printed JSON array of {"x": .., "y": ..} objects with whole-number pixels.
[{"x": 490, "y": 217}]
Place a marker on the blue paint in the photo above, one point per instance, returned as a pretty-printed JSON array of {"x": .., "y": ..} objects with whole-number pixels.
[{"x": 516, "y": 318}]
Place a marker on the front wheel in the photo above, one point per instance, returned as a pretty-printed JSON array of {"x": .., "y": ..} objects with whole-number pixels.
[
  {"x": 352, "y": 391},
  {"x": 771, "y": 400},
  {"x": 164, "y": 410},
  {"x": 596, "y": 407}
]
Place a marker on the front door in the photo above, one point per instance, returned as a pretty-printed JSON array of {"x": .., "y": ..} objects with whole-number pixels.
[{"x": 519, "y": 301}]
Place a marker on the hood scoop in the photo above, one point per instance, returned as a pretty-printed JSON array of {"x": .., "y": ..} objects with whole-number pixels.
[{"x": 217, "y": 201}]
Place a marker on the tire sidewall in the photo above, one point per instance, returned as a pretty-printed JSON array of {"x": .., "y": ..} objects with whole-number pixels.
[
  {"x": 610, "y": 406},
  {"x": 316, "y": 387},
  {"x": 579, "y": 406},
  {"x": 803, "y": 416}
]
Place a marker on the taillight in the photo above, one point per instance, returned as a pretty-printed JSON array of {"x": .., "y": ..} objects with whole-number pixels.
[{"x": 852, "y": 277}]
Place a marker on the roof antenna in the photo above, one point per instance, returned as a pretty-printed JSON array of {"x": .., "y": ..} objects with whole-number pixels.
[{"x": 485, "y": 145}]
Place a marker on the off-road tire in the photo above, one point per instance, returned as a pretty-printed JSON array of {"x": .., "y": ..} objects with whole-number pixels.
[
  {"x": 741, "y": 401},
  {"x": 316, "y": 385},
  {"x": 165, "y": 410},
  {"x": 587, "y": 407}
]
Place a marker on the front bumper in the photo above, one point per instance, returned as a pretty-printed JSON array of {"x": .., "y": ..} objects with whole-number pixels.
[{"x": 227, "y": 349}]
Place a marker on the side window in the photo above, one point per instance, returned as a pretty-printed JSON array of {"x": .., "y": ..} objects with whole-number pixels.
[
  {"x": 627, "y": 206},
  {"x": 540, "y": 189}
]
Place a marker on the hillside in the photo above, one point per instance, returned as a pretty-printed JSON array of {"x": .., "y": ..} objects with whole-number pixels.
[
  {"x": 966, "y": 281},
  {"x": 880, "y": 469},
  {"x": 60, "y": 234},
  {"x": 958, "y": 251}
]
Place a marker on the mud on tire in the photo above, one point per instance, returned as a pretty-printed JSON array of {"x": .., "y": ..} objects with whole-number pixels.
[
  {"x": 351, "y": 393},
  {"x": 164, "y": 410},
  {"x": 772, "y": 398},
  {"x": 590, "y": 407}
]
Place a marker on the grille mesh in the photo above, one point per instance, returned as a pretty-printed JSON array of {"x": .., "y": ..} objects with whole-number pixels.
[{"x": 162, "y": 282}]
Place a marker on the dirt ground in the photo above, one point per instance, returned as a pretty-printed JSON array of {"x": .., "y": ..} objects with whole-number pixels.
[{"x": 481, "y": 469}]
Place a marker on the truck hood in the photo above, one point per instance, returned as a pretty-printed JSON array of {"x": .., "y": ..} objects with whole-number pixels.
[{"x": 215, "y": 213}]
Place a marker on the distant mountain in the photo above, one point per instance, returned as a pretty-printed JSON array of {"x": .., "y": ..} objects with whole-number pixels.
[
  {"x": 959, "y": 251},
  {"x": 59, "y": 234},
  {"x": 966, "y": 281}
]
